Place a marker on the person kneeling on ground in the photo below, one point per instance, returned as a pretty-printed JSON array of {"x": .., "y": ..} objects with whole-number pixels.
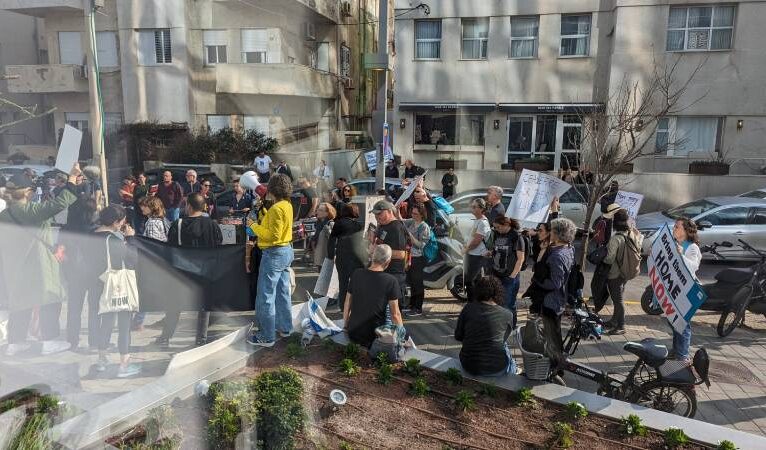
[
  {"x": 484, "y": 327},
  {"x": 370, "y": 292}
]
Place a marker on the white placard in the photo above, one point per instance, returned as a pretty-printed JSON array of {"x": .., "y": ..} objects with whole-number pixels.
[
  {"x": 371, "y": 158},
  {"x": 532, "y": 197},
  {"x": 69, "y": 150},
  {"x": 410, "y": 189},
  {"x": 327, "y": 282},
  {"x": 229, "y": 233},
  {"x": 629, "y": 201}
]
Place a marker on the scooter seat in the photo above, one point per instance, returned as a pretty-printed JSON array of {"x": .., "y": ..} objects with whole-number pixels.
[
  {"x": 735, "y": 275},
  {"x": 652, "y": 353}
]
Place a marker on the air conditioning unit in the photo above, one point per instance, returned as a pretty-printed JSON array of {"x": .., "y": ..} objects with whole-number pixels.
[
  {"x": 348, "y": 83},
  {"x": 309, "y": 31},
  {"x": 345, "y": 9}
]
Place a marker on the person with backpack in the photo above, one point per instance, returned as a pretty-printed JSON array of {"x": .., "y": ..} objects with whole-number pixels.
[
  {"x": 624, "y": 258},
  {"x": 601, "y": 233},
  {"x": 420, "y": 235},
  {"x": 509, "y": 250}
]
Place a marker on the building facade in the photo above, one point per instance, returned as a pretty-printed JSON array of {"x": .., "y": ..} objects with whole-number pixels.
[
  {"x": 293, "y": 70},
  {"x": 481, "y": 85}
]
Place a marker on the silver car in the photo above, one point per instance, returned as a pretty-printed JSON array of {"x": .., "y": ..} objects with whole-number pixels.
[
  {"x": 721, "y": 219},
  {"x": 758, "y": 193}
]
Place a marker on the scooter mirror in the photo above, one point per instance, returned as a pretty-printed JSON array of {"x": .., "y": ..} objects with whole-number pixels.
[
  {"x": 727, "y": 244},
  {"x": 704, "y": 224}
]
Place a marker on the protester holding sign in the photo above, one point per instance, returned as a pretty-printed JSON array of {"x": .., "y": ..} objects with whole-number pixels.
[{"x": 685, "y": 233}]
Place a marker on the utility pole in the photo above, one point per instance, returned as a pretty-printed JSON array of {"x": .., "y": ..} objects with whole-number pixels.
[
  {"x": 383, "y": 51},
  {"x": 96, "y": 120}
]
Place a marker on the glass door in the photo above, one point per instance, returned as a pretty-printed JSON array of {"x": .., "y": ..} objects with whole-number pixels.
[
  {"x": 545, "y": 138},
  {"x": 519, "y": 138}
]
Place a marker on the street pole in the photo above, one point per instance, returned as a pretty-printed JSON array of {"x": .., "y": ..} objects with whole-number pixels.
[
  {"x": 96, "y": 120},
  {"x": 380, "y": 178}
]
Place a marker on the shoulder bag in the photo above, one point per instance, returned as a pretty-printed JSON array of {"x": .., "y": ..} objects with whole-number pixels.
[{"x": 120, "y": 292}]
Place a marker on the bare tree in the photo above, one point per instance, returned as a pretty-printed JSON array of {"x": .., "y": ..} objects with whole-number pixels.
[
  {"x": 31, "y": 112},
  {"x": 623, "y": 130}
]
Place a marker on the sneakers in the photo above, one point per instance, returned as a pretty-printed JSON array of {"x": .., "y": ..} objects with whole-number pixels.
[
  {"x": 128, "y": 371},
  {"x": 253, "y": 340},
  {"x": 162, "y": 343},
  {"x": 284, "y": 334},
  {"x": 102, "y": 363},
  {"x": 616, "y": 331},
  {"x": 51, "y": 347},
  {"x": 15, "y": 349},
  {"x": 414, "y": 312}
]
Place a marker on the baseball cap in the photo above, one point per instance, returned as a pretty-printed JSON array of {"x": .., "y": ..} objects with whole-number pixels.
[
  {"x": 19, "y": 181},
  {"x": 610, "y": 210},
  {"x": 382, "y": 205}
]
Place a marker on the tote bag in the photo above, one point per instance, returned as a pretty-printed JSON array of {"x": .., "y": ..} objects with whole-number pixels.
[{"x": 120, "y": 288}]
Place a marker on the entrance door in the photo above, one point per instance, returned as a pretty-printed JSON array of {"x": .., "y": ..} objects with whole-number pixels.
[{"x": 519, "y": 138}]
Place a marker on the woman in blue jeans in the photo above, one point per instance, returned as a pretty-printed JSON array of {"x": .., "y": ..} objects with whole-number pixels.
[
  {"x": 275, "y": 235},
  {"x": 685, "y": 233}
]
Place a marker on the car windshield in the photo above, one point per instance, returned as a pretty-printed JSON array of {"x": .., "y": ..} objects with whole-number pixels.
[
  {"x": 691, "y": 210},
  {"x": 759, "y": 194}
]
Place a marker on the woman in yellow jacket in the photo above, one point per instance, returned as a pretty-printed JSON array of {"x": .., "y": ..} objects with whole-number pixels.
[{"x": 275, "y": 235}]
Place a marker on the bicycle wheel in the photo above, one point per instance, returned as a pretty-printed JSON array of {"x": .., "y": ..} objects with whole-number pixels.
[
  {"x": 733, "y": 316},
  {"x": 669, "y": 398},
  {"x": 648, "y": 304}
]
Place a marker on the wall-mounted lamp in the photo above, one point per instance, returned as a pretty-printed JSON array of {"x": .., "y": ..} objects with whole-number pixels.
[
  {"x": 740, "y": 124},
  {"x": 496, "y": 125},
  {"x": 402, "y": 123}
]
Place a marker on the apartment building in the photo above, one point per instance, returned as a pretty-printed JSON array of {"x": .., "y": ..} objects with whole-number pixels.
[
  {"x": 292, "y": 69},
  {"x": 480, "y": 85}
]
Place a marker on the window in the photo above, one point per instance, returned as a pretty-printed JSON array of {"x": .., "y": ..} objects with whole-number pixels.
[
  {"x": 572, "y": 133},
  {"x": 215, "y": 43},
  {"x": 154, "y": 47},
  {"x": 729, "y": 216},
  {"x": 323, "y": 56},
  {"x": 70, "y": 48},
  {"x": 682, "y": 135},
  {"x": 449, "y": 129},
  {"x": 345, "y": 61},
  {"x": 700, "y": 28},
  {"x": 77, "y": 120},
  {"x": 662, "y": 135},
  {"x": 106, "y": 43},
  {"x": 258, "y": 123},
  {"x": 217, "y": 123},
  {"x": 255, "y": 46},
  {"x": 691, "y": 210},
  {"x": 112, "y": 122},
  {"x": 575, "y": 35},
  {"x": 758, "y": 217},
  {"x": 524, "y": 37},
  {"x": 428, "y": 39},
  {"x": 475, "y": 38},
  {"x": 759, "y": 194}
]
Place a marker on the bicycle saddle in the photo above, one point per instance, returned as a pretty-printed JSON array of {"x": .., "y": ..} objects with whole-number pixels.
[
  {"x": 648, "y": 350},
  {"x": 735, "y": 275}
]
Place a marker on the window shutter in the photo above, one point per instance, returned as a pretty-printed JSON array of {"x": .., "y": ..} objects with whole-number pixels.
[
  {"x": 215, "y": 37},
  {"x": 146, "y": 48},
  {"x": 255, "y": 40},
  {"x": 70, "y": 48},
  {"x": 106, "y": 42}
]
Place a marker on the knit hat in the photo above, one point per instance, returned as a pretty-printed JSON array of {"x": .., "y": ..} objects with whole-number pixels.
[{"x": 610, "y": 210}]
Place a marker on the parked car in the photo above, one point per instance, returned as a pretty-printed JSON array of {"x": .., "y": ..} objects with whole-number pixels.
[
  {"x": 758, "y": 193},
  {"x": 154, "y": 176},
  {"x": 366, "y": 186},
  {"x": 721, "y": 219},
  {"x": 39, "y": 170}
]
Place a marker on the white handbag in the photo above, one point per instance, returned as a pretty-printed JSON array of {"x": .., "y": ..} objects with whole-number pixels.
[{"x": 120, "y": 292}]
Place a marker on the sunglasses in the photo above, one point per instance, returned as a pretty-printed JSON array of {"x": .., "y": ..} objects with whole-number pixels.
[{"x": 207, "y": 185}]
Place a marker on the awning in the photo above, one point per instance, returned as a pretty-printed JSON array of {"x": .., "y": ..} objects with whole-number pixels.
[
  {"x": 447, "y": 107},
  {"x": 549, "y": 108}
]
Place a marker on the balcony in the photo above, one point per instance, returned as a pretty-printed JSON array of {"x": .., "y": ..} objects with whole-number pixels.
[
  {"x": 274, "y": 79},
  {"x": 326, "y": 9},
  {"x": 41, "y": 8},
  {"x": 46, "y": 79}
]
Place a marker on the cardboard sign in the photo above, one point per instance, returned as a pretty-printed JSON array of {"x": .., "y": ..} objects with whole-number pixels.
[
  {"x": 532, "y": 197},
  {"x": 229, "y": 233},
  {"x": 629, "y": 201},
  {"x": 410, "y": 189},
  {"x": 675, "y": 288},
  {"x": 69, "y": 150},
  {"x": 327, "y": 282}
]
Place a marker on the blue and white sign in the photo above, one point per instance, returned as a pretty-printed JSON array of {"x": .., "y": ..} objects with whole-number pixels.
[{"x": 675, "y": 289}]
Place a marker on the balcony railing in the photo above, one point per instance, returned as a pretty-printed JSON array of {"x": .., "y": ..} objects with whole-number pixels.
[
  {"x": 326, "y": 8},
  {"x": 41, "y": 8},
  {"x": 46, "y": 79},
  {"x": 275, "y": 79}
]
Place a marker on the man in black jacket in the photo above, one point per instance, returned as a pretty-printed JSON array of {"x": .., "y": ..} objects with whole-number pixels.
[{"x": 198, "y": 231}]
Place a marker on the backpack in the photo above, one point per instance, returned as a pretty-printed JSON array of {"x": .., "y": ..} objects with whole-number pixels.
[
  {"x": 575, "y": 284},
  {"x": 510, "y": 255},
  {"x": 443, "y": 204},
  {"x": 431, "y": 249},
  {"x": 629, "y": 262}
]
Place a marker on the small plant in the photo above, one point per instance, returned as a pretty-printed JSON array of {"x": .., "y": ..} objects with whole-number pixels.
[
  {"x": 448, "y": 447},
  {"x": 454, "y": 376},
  {"x": 381, "y": 359},
  {"x": 524, "y": 397},
  {"x": 295, "y": 350},
  {"x": 488, "y": 390},
  {"x": 412, "y": 367},
  {"x": 419, "y": 387},
  {"x": 385, "y": 373},
  {"x": 233, "y": 409},
  {"x": 349, "y": 367},
  {"x": 675, "y": 437},
  {"x": 563, "y": 432},
  {"x": 726, "y": 445},
  {"x": 345, "y": 446},
  {"x": 47, "y": 404},
  {"x": 352, "y": 352},
  {"x": 576, "y": 410},
  {"x": 162, "y": 429},
  {"x": 280, "y": 407},
  {"x": 329, "y": 345},
  {"x": 632, "y": 426},
  {"x": 294, "y": 338},
  {"x": 465, "y": 400}
]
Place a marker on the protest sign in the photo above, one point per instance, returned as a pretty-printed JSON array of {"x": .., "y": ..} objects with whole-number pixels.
[
  {"x": 675, "y": 289},
  {"x": 371, "y": 157},
  {"x": 369, "y": 217},
  {"x": 629, "y": 201},
  {"x": 532, "y": 197},
  {"x": 410, "y": 189},
  {"x": 327, "y": 282},
  {"x": 69, "y": 150},
  {"x": 229, "y": 233}
]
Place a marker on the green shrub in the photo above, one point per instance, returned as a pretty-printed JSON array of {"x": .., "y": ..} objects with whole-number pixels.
[
  {"x": 352, "y": 351},
  {"x": 345, "y": 446},
  {"x": 576, "y": 410},
  {"x": 412, "y": 367},
  {"x": 488, "y": 390},
  {"x": 675, "y": 437},
  {"x": 385, "y": 373},
  {"x": 632, "y": 426},
  {"x": 381, "y": 359},
  {"x": 295, "y": 350},
  {"x": 281, "y": 414},
  {"x": 233, "y": 410},
  {"x": 563, "y": 432},
  {"x": 465, "y": 400},
  {"x": 726, "y": 445},
  {"x": 32, "y": 434},
  {"x": 162, "y": 429},
  {"x": 419, "y": 387},
  {"x": 524, "y": 397},
  {"x": 47, "y": 404},
  {"x": 349, "y": 367},
  {"x": 454, "y": 376}
]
